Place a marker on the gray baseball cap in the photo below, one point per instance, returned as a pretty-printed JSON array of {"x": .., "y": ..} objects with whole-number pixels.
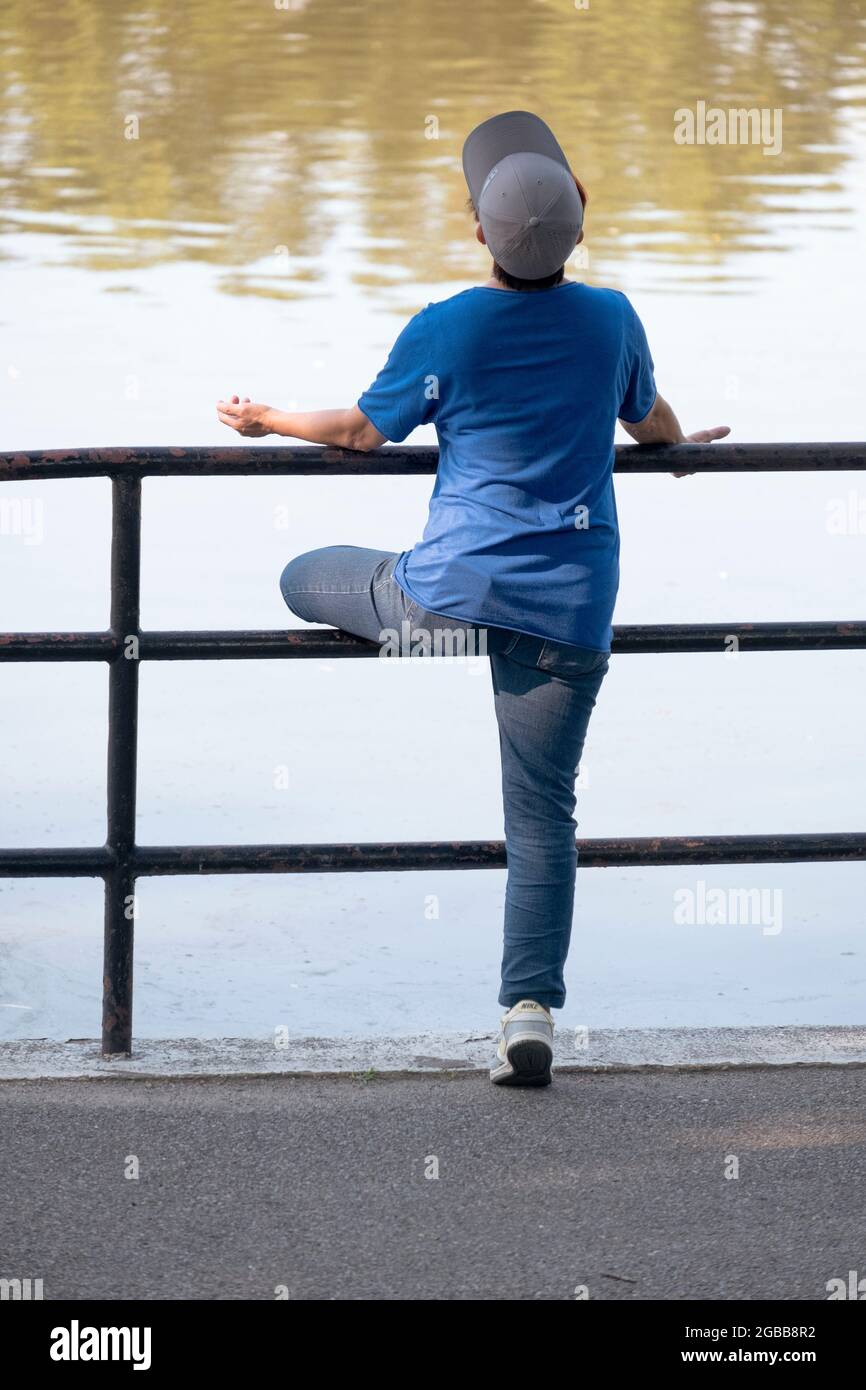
[{"x": 524, "y": 193}]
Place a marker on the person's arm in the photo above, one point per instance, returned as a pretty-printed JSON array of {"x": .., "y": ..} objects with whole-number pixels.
[
  {"x": 343, "y": 429},
  {"x": 404, "y": 394},
  {"x": 661, "y": 426}
]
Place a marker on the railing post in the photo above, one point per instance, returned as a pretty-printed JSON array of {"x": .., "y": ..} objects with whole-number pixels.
[{"x": 122, "y": 765}]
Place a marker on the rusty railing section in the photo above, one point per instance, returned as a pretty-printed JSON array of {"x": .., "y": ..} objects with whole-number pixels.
[{"x": 120, "y": 861}]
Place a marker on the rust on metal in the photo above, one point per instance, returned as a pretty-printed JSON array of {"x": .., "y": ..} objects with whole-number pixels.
[
  {"x": 310, "y": 459},
  {"x": 319, "y": 643}
]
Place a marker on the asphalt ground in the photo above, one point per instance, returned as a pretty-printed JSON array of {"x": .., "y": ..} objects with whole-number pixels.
[{"x": 611, "y": 1186}]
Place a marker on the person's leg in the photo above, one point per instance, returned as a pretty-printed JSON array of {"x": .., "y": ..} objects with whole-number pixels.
[
  {"x": 345, "y": 586},
  {"x": 544, "y": 694},
  {"x": 353, "y": 588}
]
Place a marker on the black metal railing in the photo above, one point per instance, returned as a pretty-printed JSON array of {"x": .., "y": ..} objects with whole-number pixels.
[{"x": 120, "y": 861}]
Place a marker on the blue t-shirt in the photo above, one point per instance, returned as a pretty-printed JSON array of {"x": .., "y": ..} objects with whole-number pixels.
[{"x": 524, "y": 389}]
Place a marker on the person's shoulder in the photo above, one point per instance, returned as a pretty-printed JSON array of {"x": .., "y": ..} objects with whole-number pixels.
[
  {"x": 455, "y": 304},
  {"x": 440, "y": 316},
  {"x": 607, "y": 298},
  {"x": 614, "y": 306},
  {"x": 438, "y": 311}
]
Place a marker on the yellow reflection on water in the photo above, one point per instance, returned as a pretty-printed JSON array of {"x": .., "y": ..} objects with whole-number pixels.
[{"x": 263, "y": 129}]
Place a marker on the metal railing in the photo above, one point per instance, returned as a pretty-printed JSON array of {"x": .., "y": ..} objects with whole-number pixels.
[{"x": 120, "y": 861}]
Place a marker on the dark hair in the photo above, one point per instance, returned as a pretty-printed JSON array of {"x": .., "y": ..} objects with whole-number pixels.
[{"x": 514, "y": 282}]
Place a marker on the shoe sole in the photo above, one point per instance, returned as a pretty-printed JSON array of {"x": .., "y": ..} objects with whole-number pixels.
[{"x": 529, "y": 1062}]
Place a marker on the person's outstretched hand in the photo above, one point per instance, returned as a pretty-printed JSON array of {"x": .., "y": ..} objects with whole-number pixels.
[
  {"x": 244, "y": 416},
  {"x": 704, "y": 437}
]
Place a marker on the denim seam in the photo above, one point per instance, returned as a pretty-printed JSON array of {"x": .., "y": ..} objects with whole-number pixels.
[{"x": 348, "y": 592}]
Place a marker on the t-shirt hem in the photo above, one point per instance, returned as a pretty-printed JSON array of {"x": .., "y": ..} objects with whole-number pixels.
[{"x": 487, "y": 622}]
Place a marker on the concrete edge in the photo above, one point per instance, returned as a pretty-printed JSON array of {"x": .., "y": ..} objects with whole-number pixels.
[{"x": 604, "y": 1049}]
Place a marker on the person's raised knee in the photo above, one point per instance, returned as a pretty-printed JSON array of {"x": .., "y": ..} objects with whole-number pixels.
[{"x": 295, "y": 578}]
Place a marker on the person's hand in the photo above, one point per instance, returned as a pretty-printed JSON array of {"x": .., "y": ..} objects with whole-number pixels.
[
  {"x": 244, "y": 416},
  {"x": 703, "y": 437}
]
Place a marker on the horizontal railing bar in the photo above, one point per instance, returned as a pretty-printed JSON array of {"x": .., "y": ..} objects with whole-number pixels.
[
  {"x": 317, "y": 643},
  {"x": 149, "y": 860},
  {"x": 56, "y": 863},
  {"x": 651, "y": 637},
  {"x": 490, "y": 854},
  {"x": 754, "y": 637},
  {"x": 294, "y": 459},
  {"x": 58, "y": 646}
]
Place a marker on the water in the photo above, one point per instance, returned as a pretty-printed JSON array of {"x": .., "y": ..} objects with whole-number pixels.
[{"x": 292, "y": 194}]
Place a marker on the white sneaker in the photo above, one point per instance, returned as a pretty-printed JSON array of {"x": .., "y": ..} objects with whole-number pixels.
[{"x": 525, "y": 1053}]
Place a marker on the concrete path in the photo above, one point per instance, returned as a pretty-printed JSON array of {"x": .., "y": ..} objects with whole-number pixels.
[
  {"x": 613, "y": 1180},
  {"x": 281, "y": 1055}
]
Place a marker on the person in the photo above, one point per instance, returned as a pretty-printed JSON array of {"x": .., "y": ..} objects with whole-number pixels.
[{"x": 524, "y": 378}]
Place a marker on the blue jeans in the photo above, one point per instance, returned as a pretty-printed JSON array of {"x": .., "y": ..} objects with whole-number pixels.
[{"x": 544, "y": 694}]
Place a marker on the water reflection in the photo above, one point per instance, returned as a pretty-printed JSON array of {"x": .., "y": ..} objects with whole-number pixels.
[{"x": 265, "y": 131}]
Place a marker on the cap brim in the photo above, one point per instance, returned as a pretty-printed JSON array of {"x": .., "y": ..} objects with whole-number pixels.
[{"x": 512, "y": 132}]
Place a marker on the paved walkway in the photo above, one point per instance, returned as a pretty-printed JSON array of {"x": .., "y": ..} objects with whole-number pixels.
[
  {"x": 593, "y": 1049},
  {"x": 614, "y": 1181}
]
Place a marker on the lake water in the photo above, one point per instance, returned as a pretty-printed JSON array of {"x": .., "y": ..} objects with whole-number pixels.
[{"x": 212, "y": 197}]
